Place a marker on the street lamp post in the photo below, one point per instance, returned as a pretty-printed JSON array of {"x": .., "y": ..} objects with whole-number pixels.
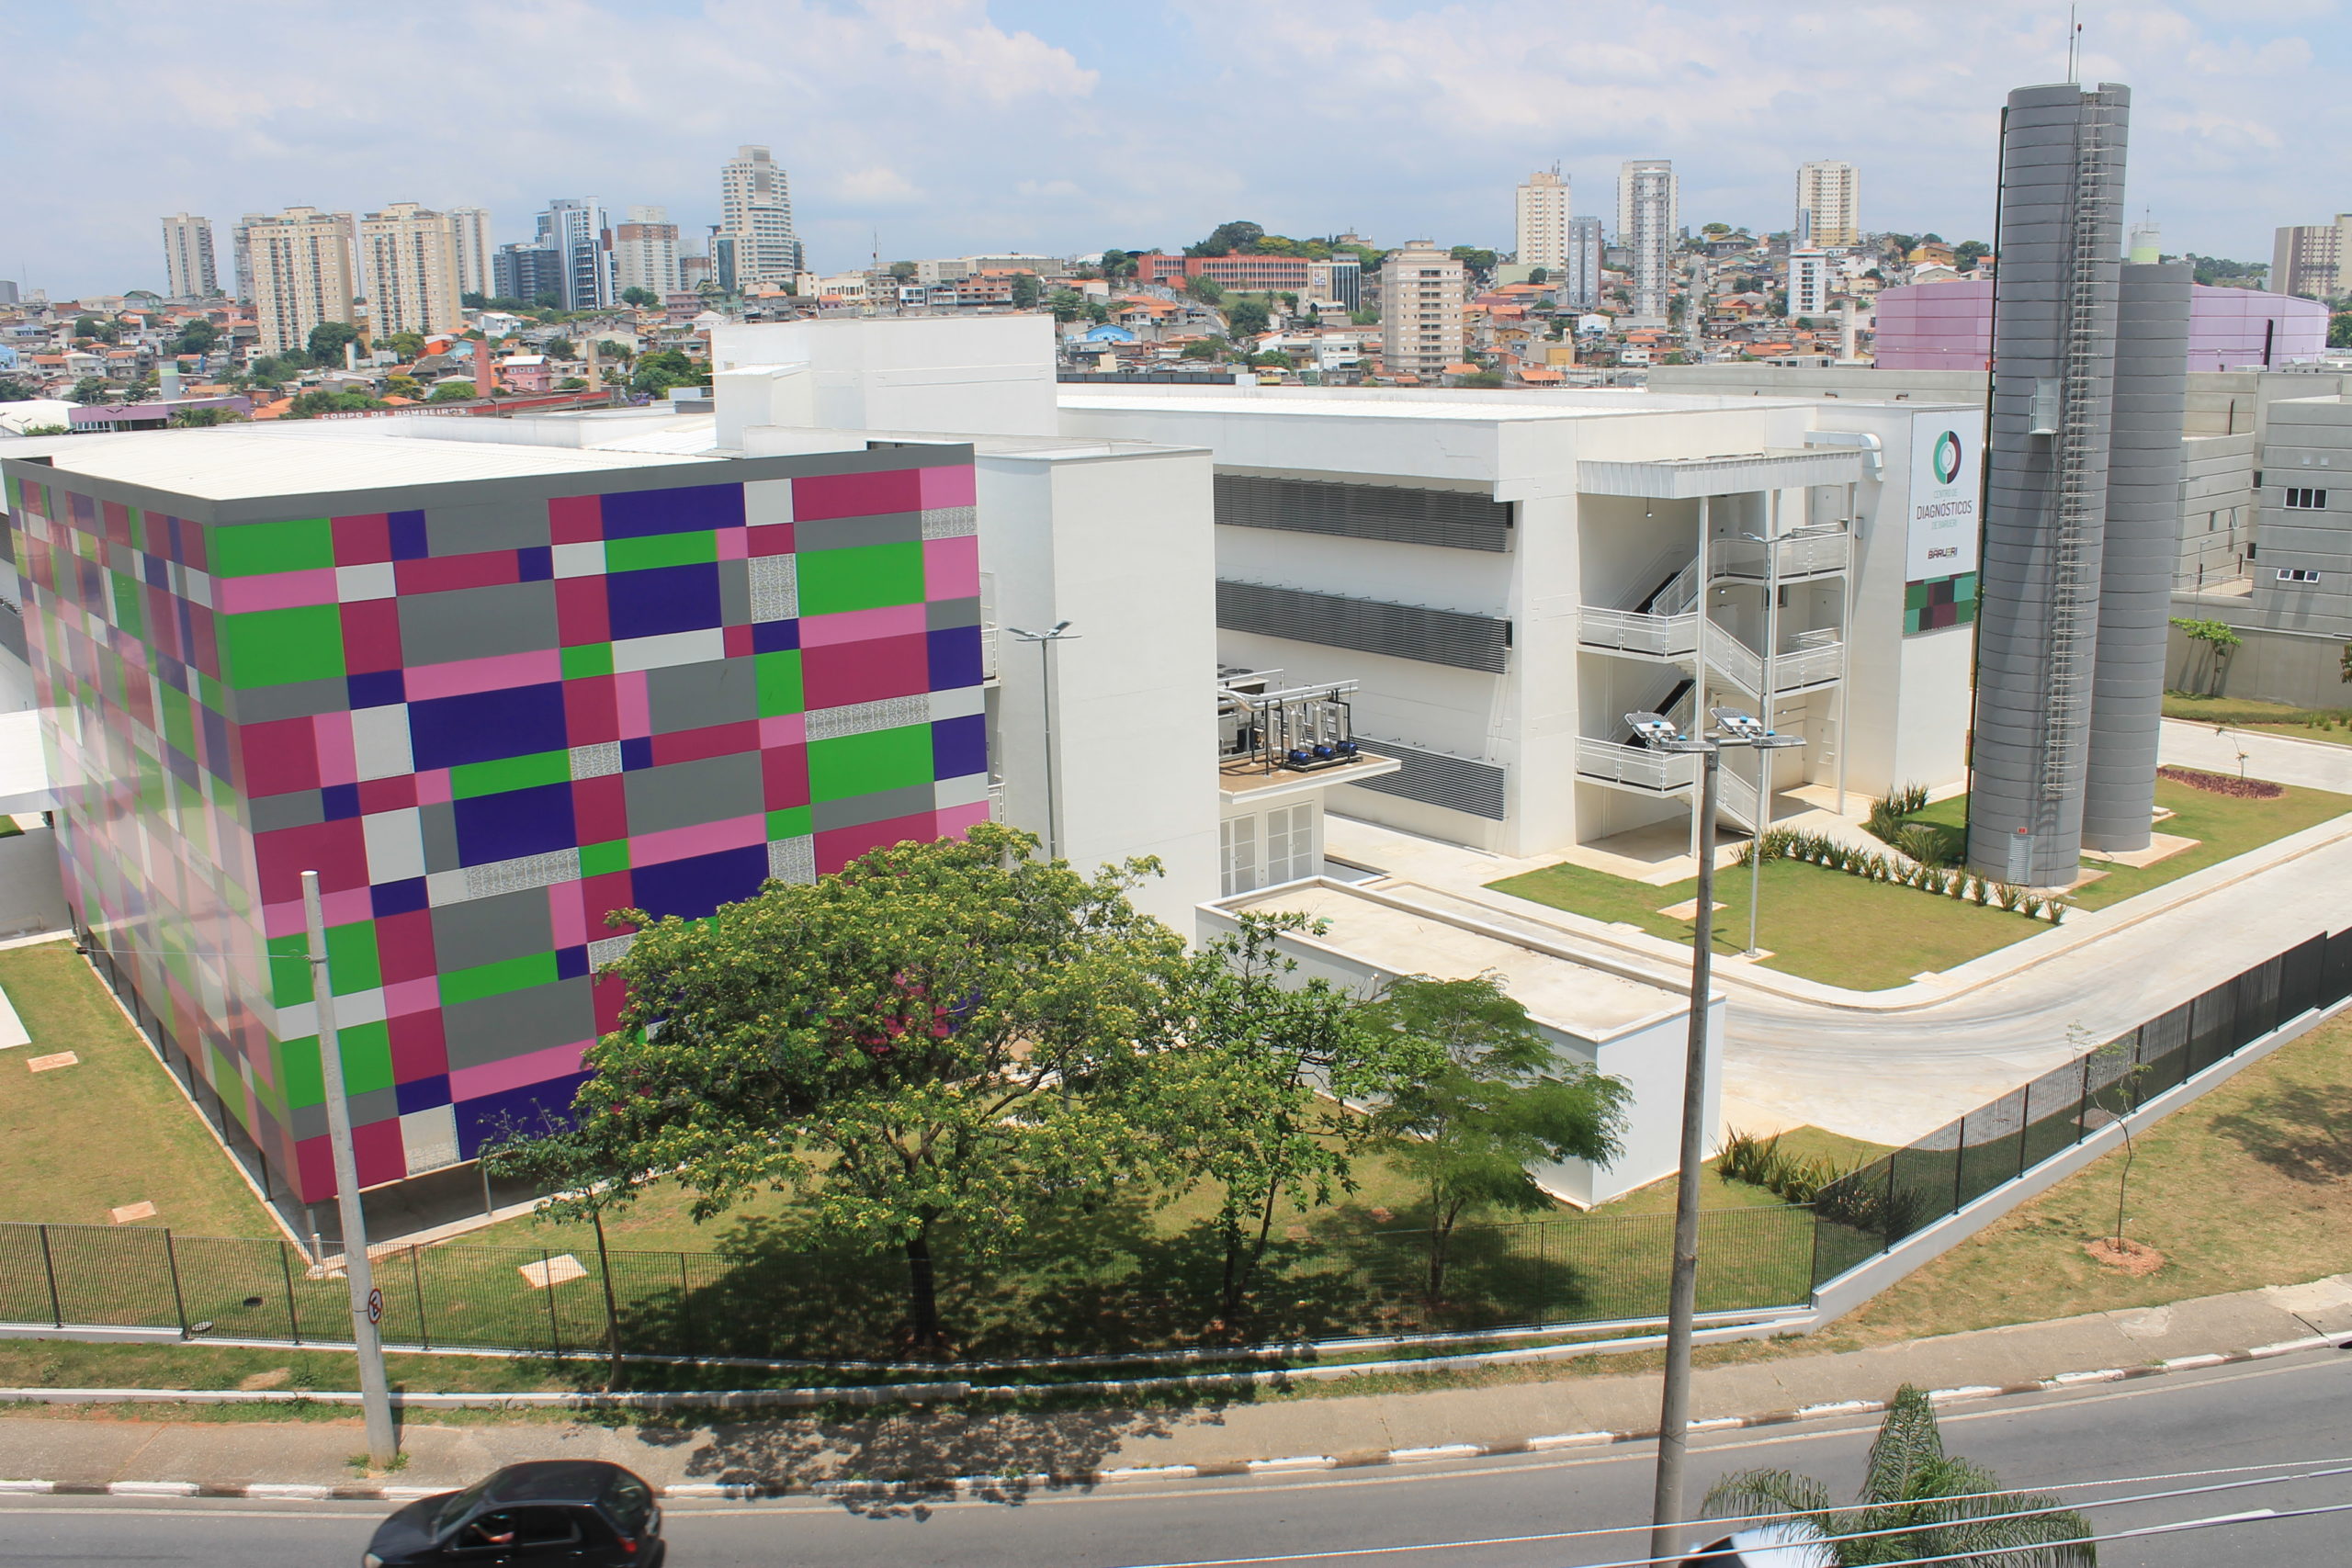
[
  {"x": 1059, "y": 631},
  {"x": 1658, "y": 732},
  {"x": 1763, "y": 819}
]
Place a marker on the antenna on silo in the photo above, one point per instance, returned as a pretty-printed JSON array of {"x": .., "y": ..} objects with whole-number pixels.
[{"x": 2073, "y": 49}]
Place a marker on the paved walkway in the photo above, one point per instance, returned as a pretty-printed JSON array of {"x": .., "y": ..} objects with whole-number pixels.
[
  {"x": 62, "y": 1447},
  {"x": 1892, "y": 1066}
]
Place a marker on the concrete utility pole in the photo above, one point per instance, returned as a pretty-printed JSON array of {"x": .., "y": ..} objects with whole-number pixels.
[
  {"x": 367, "y": 1301},
  {"x": 1045, "y": 640}
]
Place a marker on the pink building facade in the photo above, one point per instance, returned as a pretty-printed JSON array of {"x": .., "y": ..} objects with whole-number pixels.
[{"x": 1948, "y": 326}]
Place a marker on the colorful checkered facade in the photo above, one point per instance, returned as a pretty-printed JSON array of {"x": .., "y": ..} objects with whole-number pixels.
[{"x": 486, "y": 712}]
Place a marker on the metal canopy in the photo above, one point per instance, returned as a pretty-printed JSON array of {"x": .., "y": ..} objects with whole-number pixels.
[{"x": 1686, "y": 478}]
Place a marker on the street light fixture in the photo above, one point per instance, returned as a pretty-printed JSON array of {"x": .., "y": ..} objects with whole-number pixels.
[
  {"x": 1659, "y": 733},
  {"x": 1059, "y": 631}
]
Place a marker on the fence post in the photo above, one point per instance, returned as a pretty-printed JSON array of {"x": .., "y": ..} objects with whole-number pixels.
[
  {"x": 1887, "y": 1210},
  {"x": 416, "y": 1283},
  {"x": 1958, "y": 1164},
  {"x": 2082, "y": 1101},
  {"x": 49, "y": 1267},
  {"x": 2025, "y": 1124},
  {"x": 171, "y": 1263},
  {"x": 555, "y": 1328},
  {"x": 293, "y": 1317},
  {"x": 686, "y": 1305}
]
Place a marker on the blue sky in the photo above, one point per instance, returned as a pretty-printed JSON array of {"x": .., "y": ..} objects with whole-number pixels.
[{"x": 958, "y": 126}]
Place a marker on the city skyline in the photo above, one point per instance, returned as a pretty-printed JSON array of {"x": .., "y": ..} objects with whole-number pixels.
[{"x": 1038, "y": 121}]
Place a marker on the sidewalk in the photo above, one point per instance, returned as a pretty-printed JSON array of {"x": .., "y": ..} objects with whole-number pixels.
[{"x": 86, "y": 1450}]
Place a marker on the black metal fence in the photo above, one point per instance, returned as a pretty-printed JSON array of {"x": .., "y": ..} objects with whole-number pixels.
[
  {"x": 1872, "y": 1209},
  {"x": 1113, "y": 1292}
]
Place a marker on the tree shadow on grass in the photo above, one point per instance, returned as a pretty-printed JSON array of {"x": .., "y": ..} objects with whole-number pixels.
[{"x": 2303, "y": 1132}]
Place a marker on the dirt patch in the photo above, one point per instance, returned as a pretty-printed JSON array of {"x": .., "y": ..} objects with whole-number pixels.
[
  {"x": 2129, "y": 1257},
  {"x": 2222, "y": 783},
  {"x": 277, "y": 1377}
]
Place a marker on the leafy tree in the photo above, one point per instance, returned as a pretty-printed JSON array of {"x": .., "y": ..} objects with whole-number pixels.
[
  {"x": 407, "y": 345},
  {"x": 1199, "y": 348},
  {"x": 2339, "y": 330},
  {"x": 571, "y": 384},
  {"x": 307, "y": 405},
  {"x": 613, "y": 353},
  {"x": 1714, "y": 230},
  {"x": 91, "y": 391},
  {"x": 656, "y": 372},
  {"x": 96, "y": 327},
  {"x": 639, "y": 297},
  {"x": 452, "y": 392},
  {"x": 1239, "y": 237},
  {"x": 14, "y": 389},
  {"x": 904, "y": 271},
  {"x": 201, "y": 418},
  {"x": 1364, "y": 318},
  {"x": 1026, "y": 290},
  {"x": 1208, "y": 291},
  {"x": 473, "y": 302},
  {"x": 1247, "y": 318},
  {"x": 1964, "y": 255},
  {"x": 197, "y": 337},
  {"x": 547, "y": 301},
  {"x": 2219, "y": 640},
  {"x": 1475, "y": 258},
  {"x": 1931, "y": 239},
  {"x": 1539, "y": 274},
  {"x": 1484, "y": 1097},
  {"x": 1067, "y": 304},
  {"x": 1486, "y": 379},
  {"x": 1257, "y": 1094},
  {"x": 403, "y": 386},
  {"x": 47, "y": 430},
  {"x": 559, "y": 348},
  {"x": 272, "y": 369},
  {"x": 326, "y": 340},
  {"x": 941, "y": 1036},
  {"x": 1117, "y": 263},
  {"x": 1274, "y": 360},
  {"x": 1097, "y": 312},
  {"x": 588, "y": 1176},
  {"x": 1930, "y": 1504}
]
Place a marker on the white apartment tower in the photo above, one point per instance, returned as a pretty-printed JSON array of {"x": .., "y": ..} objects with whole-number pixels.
[
  {"x": 408, "y": 270},
  {"x": 1808, "y": 284},
  {"x": 187, "y": 257},
  {"x": 470, "y": 230},
  {"x": 1829, "y": 205},
  {"x": 1648, "y": 213},
  {"x": 645, "y": 251},
  {"x": 303, "y": 274},
  {"x": 1543, "y": 231},
  {"x": 755, "y": 212},
  {"x": 1420, "y": 310}
]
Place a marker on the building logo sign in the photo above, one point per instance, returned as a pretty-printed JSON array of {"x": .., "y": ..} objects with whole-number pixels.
[{"x": 1941, "y": 522}]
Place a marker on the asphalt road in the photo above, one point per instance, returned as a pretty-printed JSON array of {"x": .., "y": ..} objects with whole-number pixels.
[{"x": 1511, "y": 1513}]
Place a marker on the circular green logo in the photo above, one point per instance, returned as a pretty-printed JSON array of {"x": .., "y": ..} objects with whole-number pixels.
[{"x": 1947, "y": 456}]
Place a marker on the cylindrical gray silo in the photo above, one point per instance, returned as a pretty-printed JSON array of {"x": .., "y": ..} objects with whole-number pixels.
[
  {"x": 2045, "y": 503},
  {"x": 2142, "y": 548}
]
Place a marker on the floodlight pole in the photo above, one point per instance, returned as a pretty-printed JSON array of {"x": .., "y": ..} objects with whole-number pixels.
[
  {"x": 1045, "y": 641},
  {"x": 367, "y": 1306},
  {"x": 1682, "y": 1293}
]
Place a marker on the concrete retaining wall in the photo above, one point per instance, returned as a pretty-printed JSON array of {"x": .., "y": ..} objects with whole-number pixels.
[{"x": 32, "y": 895}]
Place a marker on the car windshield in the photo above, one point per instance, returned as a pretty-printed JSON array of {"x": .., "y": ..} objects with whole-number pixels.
[{"x": 459, "y": 1505}]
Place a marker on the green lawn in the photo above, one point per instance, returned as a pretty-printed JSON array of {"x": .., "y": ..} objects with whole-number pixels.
[
  {"x": 1819, "y": 923},
  {"x": 2331, "y": 725},
  {"x": 76, "y": 1142},
  {"x": 2223, "y": 827}
]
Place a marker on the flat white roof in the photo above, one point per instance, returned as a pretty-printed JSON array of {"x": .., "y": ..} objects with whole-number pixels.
[
  {"x": 235, "y": 463},
  {"x": 1468, "y": 408},
  {"x": 1404, "y": 939}
]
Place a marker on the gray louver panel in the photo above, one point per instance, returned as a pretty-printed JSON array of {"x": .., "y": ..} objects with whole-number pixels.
[
  {"x": 1439, "y": 779},
  {"x": 1408, "y": 516},
  {"x": 1368, "y": 626}
]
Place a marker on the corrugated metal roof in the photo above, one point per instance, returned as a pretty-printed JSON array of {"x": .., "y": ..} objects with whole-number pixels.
[{"x": 236, "y": 464}]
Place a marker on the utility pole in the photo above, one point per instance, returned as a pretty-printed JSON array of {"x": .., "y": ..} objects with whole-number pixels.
[
  {"x": 367, "y": 1301},
  {"x": 1045, "y": 640}
]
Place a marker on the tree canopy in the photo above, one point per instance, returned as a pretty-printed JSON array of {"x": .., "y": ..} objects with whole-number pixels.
[
  {"x": 197, "y": 337},
  {"x": 326, "y": 340},
  {"x": 663, "y": 368},
  {"x": 91, "y": 391},
  {"x": 559, "y": 348},
  {"x": 639, "y": 297},
  {"x": 451, "y": 392},
  {"x": 308, "y": 405},
  {"x": 1477, "y": 258},
  {"x": 14, "y": 389},
  {"x": 1247, "y": 318},
  {"x": 943, "y": 1033},
  {"x": 407, "y": 345},
  {"x": 1238, "y": 237},
  {"x": 1208, "y": 291},
  {"x": 1026, "y": 290}
]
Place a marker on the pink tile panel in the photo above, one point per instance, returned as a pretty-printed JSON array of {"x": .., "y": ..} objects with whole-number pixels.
[
  {"x": 703, "y": 839},
  {"x": 951, "y": 568},
  {"x": 273, "y": 590},
  {"x": 537, "y": 1066},
  {"x": 463, "y": 677},
  {"x": 863, "y": 626}
]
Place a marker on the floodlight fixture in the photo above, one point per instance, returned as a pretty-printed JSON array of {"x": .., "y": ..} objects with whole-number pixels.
[
  {"x": 1658, "y": 733},
  {"x": 1743, "y": 729}
]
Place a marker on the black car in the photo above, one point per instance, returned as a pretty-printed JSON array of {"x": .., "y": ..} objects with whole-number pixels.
[{"x": 580, "y": 1512}]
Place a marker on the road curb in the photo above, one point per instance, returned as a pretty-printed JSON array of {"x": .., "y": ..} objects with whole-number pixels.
[{"x": 985, "y": 1486}]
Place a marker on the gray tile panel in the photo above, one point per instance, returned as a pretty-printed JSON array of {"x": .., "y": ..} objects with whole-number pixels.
[
  {"x": 516, "y": 1023},
  {"x": 880, "y": 807},
  {"x": 478, "y": 623},
  {"x": 939, "y": 615},
  {"x": 844, "y": 533},
  {"x": 489, "y": 930},
  {"x": 693, "y": 697},
  {"x": 683, "y": 795},
  {"x": 438, "y": 824}
]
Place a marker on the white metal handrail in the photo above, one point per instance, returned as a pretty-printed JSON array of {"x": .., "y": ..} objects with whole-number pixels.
[
  {"x": 1791, "y": 672},
  {"x": 988, "y": 652},
  {"x": 1807, "y": 554},
  {"x": 1734, "y": 793},
  {"x": 1636, "y": 765},
  {"x": 1666, "y": 635}
]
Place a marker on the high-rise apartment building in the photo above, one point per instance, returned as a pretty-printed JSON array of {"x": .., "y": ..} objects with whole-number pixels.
[
  {"x": 303, "y": 274},
  {"x": 408, "y": 269},
  {"x": 755, "y": 212},
  {"x": 1649, "y": 213},
  {"x": 526, "y": 272},
  {"x": 187, "y": 257},
  {"x": 1829, "y": 205},
  {"x": 645, "y": 251},
  {"x": 470, "y": 230},
  {"x": 2309, "y": 259},
  {"x": 242, "y": 251},
  {"x": 1579, "y": 279},
  {"x": 581, "y": 239},
  {"x": 1808, "y": 283},
  {"x": 1543, "y": 218},
  {"x": 1420, "y": 310}
]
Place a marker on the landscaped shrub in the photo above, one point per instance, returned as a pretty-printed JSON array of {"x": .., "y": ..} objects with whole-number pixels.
[
  {"x": 1819, "y": 849},
  {"x": 2222, "y": 783},
  {"x": 1761, "y": 1162},
  {"x": 1922, "y": 844}
]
